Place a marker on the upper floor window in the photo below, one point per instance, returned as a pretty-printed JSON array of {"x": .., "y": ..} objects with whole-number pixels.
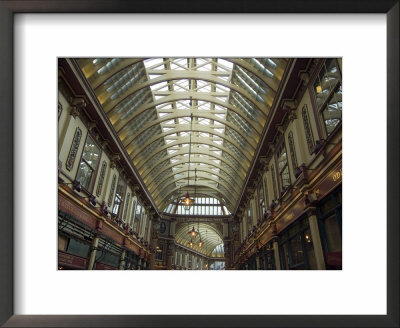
[
  {"x": 133, "y": 211},
  {"x": 249, "y": 221},
  {"x": 292, "y": 150},
  {"x": 273, "y": 180},
  {"x": 328, "y": 94},
  {"x": 261, "y": 201},
  {"x": 283, "y": 166},
  {"x": 119, "y": 197},
  {"x": 201, "y": 206},
  {"x": 89, "y": 162},
  {"x": 138, "y": 212}
]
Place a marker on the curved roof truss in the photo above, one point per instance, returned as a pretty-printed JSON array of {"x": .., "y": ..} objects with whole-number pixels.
[
  {"x": 210, "y": 236},
  {"x": 164, "y": 108}
]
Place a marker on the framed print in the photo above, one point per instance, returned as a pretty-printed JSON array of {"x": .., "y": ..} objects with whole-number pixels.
[{"x": 199, "y": 164}]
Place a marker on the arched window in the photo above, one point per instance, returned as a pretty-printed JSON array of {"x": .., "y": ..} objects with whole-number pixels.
[
  {"x": 328, "y": 94},
  {"x": 138, "y": 212},
  {"x": 133, "y": 211},
  {"x": 119, "y": 197},
  {"x": 283, "y": 167},
  {"x": 128, "y": 198},
  {"x": 89, "y": 163}
]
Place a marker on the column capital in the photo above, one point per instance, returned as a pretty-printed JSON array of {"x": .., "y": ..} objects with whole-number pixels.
[
  {"x": 77, "y": 106},
  {"x": 289, "y": 104},
  {"x": 114, "y": 159},
  {"x": 311, "y": 210}
]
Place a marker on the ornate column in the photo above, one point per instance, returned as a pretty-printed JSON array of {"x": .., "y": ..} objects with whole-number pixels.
[
  {"x": 277, "y": 259},
  {"x": 227, "y": 253},
  {"x": 170, "y": 254},
  {"x": 172, "y": 226},
  {"x": 122, "y": 260},
  {"x": 93, "y": 250},
  {"x": 154, "y": 240},
  {"x": 263, "y": 177},
  {"x": 316, "y": 239},
  {"x": 258, "y": 267}
]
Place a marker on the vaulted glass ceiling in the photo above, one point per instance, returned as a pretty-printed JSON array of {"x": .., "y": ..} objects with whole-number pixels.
[
  {"x": 207, "y": 232},
  {"x": 151, "y": 102}
]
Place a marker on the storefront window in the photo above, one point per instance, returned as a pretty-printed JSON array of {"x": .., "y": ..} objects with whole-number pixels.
[
  {"x": 296, "y": 247},
  {"x": 330, "y": 224}
]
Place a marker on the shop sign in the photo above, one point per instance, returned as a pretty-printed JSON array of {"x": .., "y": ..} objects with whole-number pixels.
[{"x": 331, "y": 181}]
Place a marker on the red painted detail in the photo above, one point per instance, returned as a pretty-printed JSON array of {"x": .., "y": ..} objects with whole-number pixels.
[
  {"x": 72, "y": 261},
  {"x": 334, "y": 258}
]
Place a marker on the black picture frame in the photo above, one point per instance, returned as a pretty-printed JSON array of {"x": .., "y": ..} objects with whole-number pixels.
[{"x": 7, "y": 197}]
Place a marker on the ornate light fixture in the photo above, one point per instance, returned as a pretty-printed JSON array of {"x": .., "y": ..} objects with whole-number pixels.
[
  {"x": 187, "y": 202},
  {"x": 193, "y": 233}
]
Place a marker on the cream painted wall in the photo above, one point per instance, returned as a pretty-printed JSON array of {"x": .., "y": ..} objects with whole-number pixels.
[{"x": 72, "y": 124}]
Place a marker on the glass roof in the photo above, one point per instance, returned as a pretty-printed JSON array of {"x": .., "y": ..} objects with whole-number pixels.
[
  {"x": 208, "y": 233},
  {"x": 151, "y": 102}
]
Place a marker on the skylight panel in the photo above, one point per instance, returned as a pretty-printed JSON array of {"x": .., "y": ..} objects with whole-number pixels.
[
  {"x": 204, "y": 121},
  {"x": 262, "y": 68},
  {"x": 108, "y": 66},
  {"x": 224, "y": 65},
  {"x": 205, "y": 106},
  {"x": 174, "y": 66},
  {"x": 220, "y": 87},
  {"x": 206, "y": 88},
  {"x": 206, "y": 67},
  {"x": 153, "y": 76},
  {"x": 153, "y": 62},
  {"x": 159, "y": 86}
]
